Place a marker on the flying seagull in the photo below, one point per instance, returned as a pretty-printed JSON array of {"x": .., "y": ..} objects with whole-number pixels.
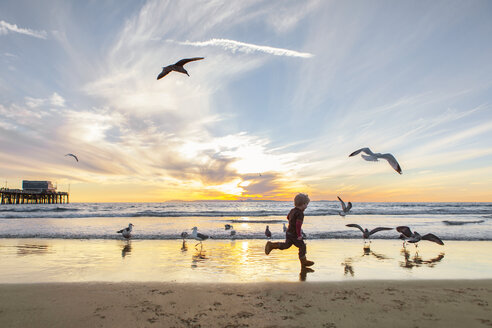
[
  {"x": 178, "y": 67},
  {"x": 345, "y": 208},
  {"x": 126, "y": 232},
  {"x": 374, "y": 157},
  {"x": 415, "y": 237},
  {"x": 366, "y": 234},
  {"x": 268, "y": 233},
  {"x": 73, "y": 156},
  {"x": 198, "y": 236}
]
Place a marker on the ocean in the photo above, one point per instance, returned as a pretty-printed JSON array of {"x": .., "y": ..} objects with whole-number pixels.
[{"x": 167, "y": 220}]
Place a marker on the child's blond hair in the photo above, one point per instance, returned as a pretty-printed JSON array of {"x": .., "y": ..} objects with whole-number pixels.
[{"x": 301, "y": 199}]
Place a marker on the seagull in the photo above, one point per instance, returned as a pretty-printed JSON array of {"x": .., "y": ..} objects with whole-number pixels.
[
  {"x": 228, "y": 226},
  {"x": 285, "y": 228},
  {"x": 345, "y": 209},
  {"x": 73, "y": 156},
  {"x": 233, "y": 233},
  {"x": 415, "y": 237},
  {"x": 373, "y": 157},
  {"x": 198, "y": 236},
  {"x": 366, "y": 233},
  {"x": 184, "y": 235},
  {"x": 126, "y": 232},
  {"x": 178, "y": 67},
  {"x": 268, "y": 233}
]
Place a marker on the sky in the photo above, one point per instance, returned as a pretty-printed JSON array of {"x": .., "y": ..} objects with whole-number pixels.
[{"x": 287, "y": 90}]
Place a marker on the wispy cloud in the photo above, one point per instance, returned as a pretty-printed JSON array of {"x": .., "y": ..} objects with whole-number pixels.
[
  {"x": 236, "y": 46},
  {"x": 6, "y": 28}
]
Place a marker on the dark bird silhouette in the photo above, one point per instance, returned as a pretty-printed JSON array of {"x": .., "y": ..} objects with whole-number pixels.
[
  {"x": 374, "y": 157},
  {"x": 268, "y": 233},
  {"x": 73, "y": 156},
  {"x": 366, "y": 233},
  {"x": 415, "y": 237},
  {"x": 177, "y": 67}
]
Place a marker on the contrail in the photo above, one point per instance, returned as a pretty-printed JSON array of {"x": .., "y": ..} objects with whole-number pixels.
[
  {"x": 245, "y": 47},
  {"x": 5, "y": 28}
]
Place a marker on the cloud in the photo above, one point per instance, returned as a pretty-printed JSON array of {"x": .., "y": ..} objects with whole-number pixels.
[
  {"x": 5, "y": 28},
  {"x": 55, "y": 100},
  {"x": 236, "y": 46}
]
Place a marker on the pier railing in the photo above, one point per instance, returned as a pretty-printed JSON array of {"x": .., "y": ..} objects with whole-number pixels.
[{"x": 17, "y": 196}]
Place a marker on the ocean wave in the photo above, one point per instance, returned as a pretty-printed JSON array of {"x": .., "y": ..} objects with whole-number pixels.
[
  {"x": 36, "y": 210},
  {"x": 68, "y": 213},
  {"x": 448, "y": 222}
]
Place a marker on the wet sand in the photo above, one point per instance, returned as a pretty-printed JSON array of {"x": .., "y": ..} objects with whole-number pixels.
[
  {"x": 437, "y": 303},
  {"x": 64, "y": 260}
]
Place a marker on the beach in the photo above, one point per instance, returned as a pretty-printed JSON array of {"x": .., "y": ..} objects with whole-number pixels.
[
  {"x": 442, "y": 303},
  {"x": 65, "y": 266}
]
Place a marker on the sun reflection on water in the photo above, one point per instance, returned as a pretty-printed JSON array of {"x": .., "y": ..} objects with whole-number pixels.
[{"x": 59, "y": 260}]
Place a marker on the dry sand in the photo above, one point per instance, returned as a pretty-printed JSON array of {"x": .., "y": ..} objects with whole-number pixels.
[{"x": 444, "y": 303}]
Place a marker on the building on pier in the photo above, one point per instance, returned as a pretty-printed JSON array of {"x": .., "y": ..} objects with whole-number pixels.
[{"x": 34, "y": 192}]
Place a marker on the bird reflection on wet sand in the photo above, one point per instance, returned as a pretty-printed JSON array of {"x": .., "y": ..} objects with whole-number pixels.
[
  {"x": 417, "y": 260},
  {"x": 184, "y": 247},
  {"x": 368, "y": 252},
  {"x": 127, "y": 249},
  {"x": 348, "y": 267},
  {"x": 32, "y": 249},
  {"x": 200, "y": 256}
]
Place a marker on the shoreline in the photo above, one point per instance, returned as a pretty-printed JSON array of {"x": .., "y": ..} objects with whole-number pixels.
[{"x": 377, "y": 303}]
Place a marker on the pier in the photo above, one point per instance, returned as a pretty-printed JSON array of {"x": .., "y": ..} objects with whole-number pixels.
[
  {"x": 17, "y": 196},
  {"x": 34, "y": 192}
]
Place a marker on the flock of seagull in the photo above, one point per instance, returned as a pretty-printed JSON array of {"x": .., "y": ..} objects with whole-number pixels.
[{"x": 405, "y": 233}]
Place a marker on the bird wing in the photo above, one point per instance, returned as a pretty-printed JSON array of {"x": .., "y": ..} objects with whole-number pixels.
[
  {"x": 349, "y": 206},
  {"x": 392, "y": 161},
  {"x": 73, "y": 156},
  {"x": 343, "y": 203},
  {"x": 187, "y": 60},
  {"x": 353, "y": 225},
  {"x": 433, "y": 238},
  {"x": 201, "y": 236},
  {"x": 165, "y": 70},
  {"x": 120, "y": 231},
  {"x": 373, "y": 231},
  {"x": 404, "y": 230},
  {"x": 365, "y": 150}
]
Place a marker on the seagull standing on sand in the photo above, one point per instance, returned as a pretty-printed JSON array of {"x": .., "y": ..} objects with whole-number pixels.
[
  {"x": 415, "y": 237},
  {"x": 73, "y": 156},
  {"x": 177, "y": 67},
  {"x": 268, "y": 233},
  {"x": 345, "y": 208},
  {"x": 374, "y": 157},
  {"x": 198, "y": 236},
  {"x": 233, "y": 233},
  {"x": 285, "y": 228},
  {"x": 366, "y": 233},
  {"x": 126, "y": 232},
  {"x": 228, "y": 226}
]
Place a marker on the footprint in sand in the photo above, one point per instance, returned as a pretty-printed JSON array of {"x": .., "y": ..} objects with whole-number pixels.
[{"x": 243, "y": 314}]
